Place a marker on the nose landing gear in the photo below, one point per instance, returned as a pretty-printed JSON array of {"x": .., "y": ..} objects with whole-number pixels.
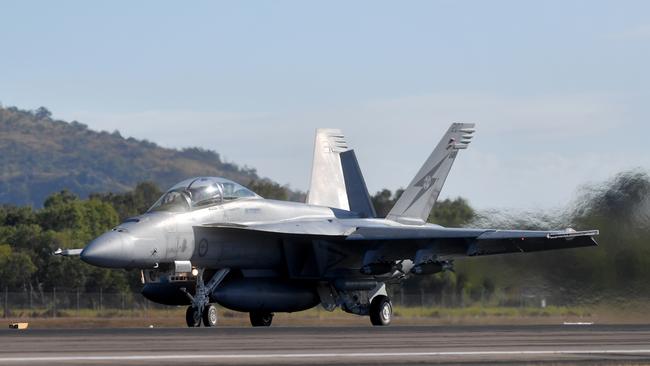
[
  {"x": 201, "y": 309},
  {"x": 210, "y": 316},
  {"x": 192, "y": 317}
]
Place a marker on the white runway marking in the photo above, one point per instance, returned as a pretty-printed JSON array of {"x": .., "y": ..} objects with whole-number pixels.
[{"x": 320, "y": 355}]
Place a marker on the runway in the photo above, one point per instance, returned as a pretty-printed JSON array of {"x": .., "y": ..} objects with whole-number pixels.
[{"x": 562, "y": 344}]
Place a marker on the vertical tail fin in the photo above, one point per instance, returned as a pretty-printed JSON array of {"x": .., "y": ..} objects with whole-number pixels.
[
  {"x": 336, "y": 179},
  {"x": 327, "y": 186},
  {"x": 415, "y": 204},
  {"x": 355, "y": 186}
]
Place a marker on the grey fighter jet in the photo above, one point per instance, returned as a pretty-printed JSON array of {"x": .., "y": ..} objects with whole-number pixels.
[{"x": 210, "y": 240}]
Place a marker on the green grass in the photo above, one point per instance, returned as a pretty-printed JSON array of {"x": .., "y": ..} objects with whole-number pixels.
[
  {"x": 399, "y": 311},
  {"x": 470, "y": 315},
  {"x": 440, "y": 316}
]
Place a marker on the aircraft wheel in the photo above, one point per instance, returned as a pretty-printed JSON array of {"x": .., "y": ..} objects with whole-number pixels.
[
  {"x": 192, "y": 317},
  {"x": 210, "y": 316},
  {"x": 260, "y": 319},
  {"x": 381, "y": 310}
]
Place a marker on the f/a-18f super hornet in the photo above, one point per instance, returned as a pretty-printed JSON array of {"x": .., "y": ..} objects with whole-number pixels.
[{"x": 210, "y": 240}]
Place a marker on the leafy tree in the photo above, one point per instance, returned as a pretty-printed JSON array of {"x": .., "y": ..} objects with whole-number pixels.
[
  {"x": 60, "y": 198},
  {"x": 452, "y": 213},
  {"x": 88, "y": 218},
  {"x": 61, "y": 212},
  {"x": 269, "y": 189},
  {"x": 16, "y": 268},
  {"x": 132, "y": 203},
  {"x": 42, "y": 113},
  {"x": 12, "y": 215},
  {"x": 383, "y": 202}
]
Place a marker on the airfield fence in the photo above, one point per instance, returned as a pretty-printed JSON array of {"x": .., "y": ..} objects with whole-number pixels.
[{"x": 70, "y": 303}]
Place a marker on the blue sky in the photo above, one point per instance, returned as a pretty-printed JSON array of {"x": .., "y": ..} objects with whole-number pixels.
[{"x": 558, "y": 89}]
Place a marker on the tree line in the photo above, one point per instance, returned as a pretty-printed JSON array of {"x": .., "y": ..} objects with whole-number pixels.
[{"x": 618, "y": 269}]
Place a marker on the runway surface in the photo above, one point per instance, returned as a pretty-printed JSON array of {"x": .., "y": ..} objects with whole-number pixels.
[{"x": 562, "y": 344}]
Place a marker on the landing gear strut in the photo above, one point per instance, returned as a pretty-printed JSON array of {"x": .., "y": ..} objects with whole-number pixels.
[
  {"x": 381, "y": 310},
  {"x": 201, "y": 309},
  {"x": 261, "y": 319}
]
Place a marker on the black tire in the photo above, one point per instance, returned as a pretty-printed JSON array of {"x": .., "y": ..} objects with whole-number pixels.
[
  {"x": 261, "y": 319},
  {"x": 192, "y": 317},
  {"x": 210, "y": 316},
  {"x": 381, "y": 311}
]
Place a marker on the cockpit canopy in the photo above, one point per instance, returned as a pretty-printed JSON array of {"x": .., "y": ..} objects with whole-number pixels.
[{"x": 200, "y": 192}]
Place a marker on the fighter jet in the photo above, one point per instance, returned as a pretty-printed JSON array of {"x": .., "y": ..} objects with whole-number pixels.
[{"x": 211, "y": 240}]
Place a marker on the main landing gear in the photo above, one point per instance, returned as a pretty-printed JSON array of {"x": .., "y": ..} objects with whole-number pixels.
[
  {"x": 361, "y": 299},
  {"x": 261, "y": 319},
  {"x": 381, "y": 310},
  {"x": 201, "y": 311}
]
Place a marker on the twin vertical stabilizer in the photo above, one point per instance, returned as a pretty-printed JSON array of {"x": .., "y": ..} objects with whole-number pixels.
[
  {"x": 327, "y": 186},
  {"x": 336, "y": 179},
  {"x": 415, "y": 204},
  {"x": 337, "y": 182}
]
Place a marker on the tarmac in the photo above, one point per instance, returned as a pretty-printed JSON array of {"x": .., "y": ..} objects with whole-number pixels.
[{"x": 466, "y": 345}]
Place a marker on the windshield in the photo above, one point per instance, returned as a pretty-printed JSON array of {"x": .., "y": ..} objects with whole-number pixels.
[
  {"x": 205, "y": 191},
  {"x": 232, "y": 191},
  {"x": 200, "y": 192},
  {"x": 173, "y": 201}
]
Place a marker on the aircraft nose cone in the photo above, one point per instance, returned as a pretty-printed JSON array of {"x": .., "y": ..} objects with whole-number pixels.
[{"x": 112, "y": 250}]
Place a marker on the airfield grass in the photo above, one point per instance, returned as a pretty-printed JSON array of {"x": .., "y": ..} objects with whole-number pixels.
[{"x": 471, "y": 315}]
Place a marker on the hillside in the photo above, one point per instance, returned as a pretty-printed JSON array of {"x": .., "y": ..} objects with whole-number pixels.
[{"x": 40, "y": 155}]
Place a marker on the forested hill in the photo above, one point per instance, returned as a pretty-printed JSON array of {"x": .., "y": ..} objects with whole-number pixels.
[{"x": 40, "y": 155}]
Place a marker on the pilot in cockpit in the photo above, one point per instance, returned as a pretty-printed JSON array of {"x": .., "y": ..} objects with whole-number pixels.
[
  {"x": 205, "y": 194},
  {"x": 199, "y": 193}
]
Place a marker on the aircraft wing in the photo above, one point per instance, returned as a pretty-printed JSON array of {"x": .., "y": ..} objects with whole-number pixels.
[
  {"x": 470, "y": 242},
  {"x": 482, "y": 241}
]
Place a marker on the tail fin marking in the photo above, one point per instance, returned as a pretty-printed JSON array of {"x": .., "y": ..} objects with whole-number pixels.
[{"x": 415, "y": 204}]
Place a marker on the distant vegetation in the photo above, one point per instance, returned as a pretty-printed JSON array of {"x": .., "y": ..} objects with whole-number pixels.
[
  {"x": 28, "y": 237},
  {"x": 40, "y": 155},
  {"x": 614, "y": 272},
  {"x": 617, "y": 270}
]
